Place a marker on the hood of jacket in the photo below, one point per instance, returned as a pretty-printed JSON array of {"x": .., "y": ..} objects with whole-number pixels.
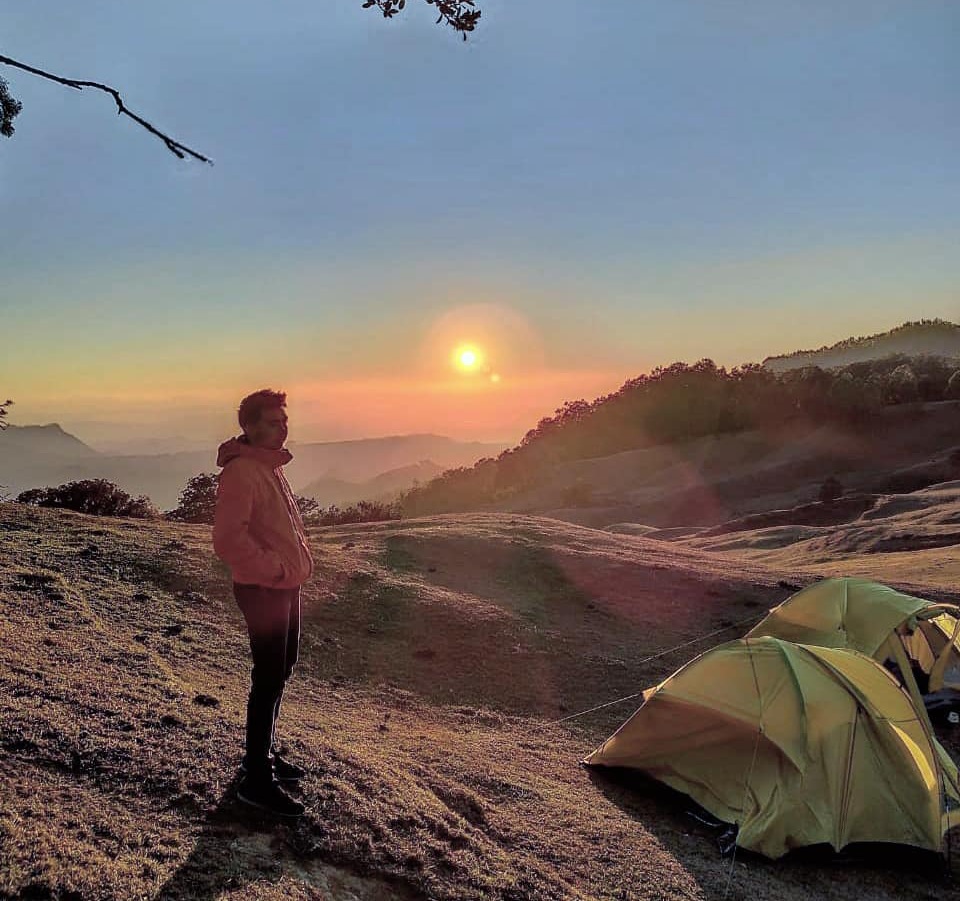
[{"x": 240, "y": 447}]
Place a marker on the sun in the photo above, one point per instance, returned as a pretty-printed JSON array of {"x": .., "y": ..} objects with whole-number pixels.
[{"x": 467, "y": 358}]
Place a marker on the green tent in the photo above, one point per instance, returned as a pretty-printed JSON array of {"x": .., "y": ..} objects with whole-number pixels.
[
  {"x": 878, "y": 621},
  {"x": 796, "y": 744}
]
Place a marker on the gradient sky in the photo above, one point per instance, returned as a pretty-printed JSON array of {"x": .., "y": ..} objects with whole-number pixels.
[{"x": 584, "y": 189}]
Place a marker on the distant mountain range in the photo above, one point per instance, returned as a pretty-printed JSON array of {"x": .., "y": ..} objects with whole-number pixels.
[
  {"x": 384, "y": 487},
  {"x": 927, "y": 337},
  {"x": 36, "y": 456}
]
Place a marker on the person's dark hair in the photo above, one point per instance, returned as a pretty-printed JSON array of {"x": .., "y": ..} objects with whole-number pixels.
[{"x": 253, "y": 405}]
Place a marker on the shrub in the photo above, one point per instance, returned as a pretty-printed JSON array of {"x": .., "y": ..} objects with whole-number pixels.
[
  {"x": 198, "y": 500},
  {"x": 308, "y": 506},
  {"x": 852, "y": 399},
  {"x": 579, "y": 494},
  {"x": 902, "y": 386},
  {"x": 96, "y": 497},
  {"x": 364, "y": 511},
  {"x": 830, "y": 491}
]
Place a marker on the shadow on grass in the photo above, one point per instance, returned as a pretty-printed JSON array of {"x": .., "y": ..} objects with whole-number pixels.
[
  {"x": 539, "y": 589},
  {"x": 237, "y": 845},
  {"x": 694, "y": 837}
]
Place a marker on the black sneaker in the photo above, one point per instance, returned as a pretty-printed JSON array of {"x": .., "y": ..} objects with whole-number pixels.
[
  {"x": 287, "y": 771},
  {"x": 283, "y": 770},
  {"x": 270, "y": 797}
]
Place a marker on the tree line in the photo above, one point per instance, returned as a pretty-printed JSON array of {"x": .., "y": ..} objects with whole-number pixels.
[
  {"x": 683, "y": 402},
  {"x": 197, "y": 503},
  {"x": 925, "y": 326}
]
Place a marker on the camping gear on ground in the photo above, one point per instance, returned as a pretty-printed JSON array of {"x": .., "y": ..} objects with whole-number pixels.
[{"x": 803, "y": 737}]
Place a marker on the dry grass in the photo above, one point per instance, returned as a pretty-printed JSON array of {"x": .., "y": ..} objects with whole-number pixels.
[
  {"x": 905, "y": 539},
  {"x": 436, "y": 655}
]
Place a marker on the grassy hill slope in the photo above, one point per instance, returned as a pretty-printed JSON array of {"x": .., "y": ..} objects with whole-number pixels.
[
  {"x": 712, "y": 479},
  {"x": 907, "y": 538},
  {"x": 437, "y": 653}
]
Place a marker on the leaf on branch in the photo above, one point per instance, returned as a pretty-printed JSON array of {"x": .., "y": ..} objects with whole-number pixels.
[
  {"x": 9, "y": 110},
  {"x": 3, "y": 412},
  {"x": 460, "y": 15}
]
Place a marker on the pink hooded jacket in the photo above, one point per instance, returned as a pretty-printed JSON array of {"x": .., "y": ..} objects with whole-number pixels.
[{"x": 257, "y": 529}]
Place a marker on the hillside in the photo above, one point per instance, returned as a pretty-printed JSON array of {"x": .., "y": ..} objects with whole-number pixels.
[
  {"x": 710, "y": 480},
  {"x": 927, "y": 337},
  {"x": 436, "y": 654},
  {"x": 912, "y": 538}
]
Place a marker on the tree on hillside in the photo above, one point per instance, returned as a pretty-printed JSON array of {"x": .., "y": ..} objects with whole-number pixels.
[
  {"x": 810, "y": 388},
  {"x": 3, "y": 412},
  {"x": 831, "y": 490},
  {"x": 902, "y": 386},
  {"x": 460, "y": 15},
  {"x": 854, "y": 400},
  {"x": 198, "y": 500},
  {"x": 308, "y": 506},
  {"x": 9, "y": 110}
]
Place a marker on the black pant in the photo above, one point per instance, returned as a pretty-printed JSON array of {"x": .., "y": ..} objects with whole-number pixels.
[{"x": 273, "y": 621}]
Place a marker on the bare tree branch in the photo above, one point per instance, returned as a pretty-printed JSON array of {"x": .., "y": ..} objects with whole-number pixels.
[
  {"x": 175, "y": 147},
  {"x": 460, "y": 15}
]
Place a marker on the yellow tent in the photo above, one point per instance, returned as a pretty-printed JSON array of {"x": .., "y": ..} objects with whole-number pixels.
[
  {"x": 878, "y": 621},
  {"x": 796, "y": 744}
]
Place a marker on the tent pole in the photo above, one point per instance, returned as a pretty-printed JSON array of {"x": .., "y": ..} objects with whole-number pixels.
[
  {"x": 753, "y": 760},
  {"x": 940, "y": 663},
  {"x": 900, "y": 655}
]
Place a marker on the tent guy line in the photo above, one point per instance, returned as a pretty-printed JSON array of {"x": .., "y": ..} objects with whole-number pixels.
[{"x": 646, "y": 660}]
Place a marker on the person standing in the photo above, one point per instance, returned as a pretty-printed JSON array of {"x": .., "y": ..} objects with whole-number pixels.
[{"x": 259, "y": 534}]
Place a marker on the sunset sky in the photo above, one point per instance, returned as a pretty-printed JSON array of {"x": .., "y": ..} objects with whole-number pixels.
[{"x": 580, "y": 192}]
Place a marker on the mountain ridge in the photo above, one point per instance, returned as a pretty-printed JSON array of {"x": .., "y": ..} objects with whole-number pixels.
[
  {"x": 932, "y": 337},
  {"x": 49, "y": 438}
]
